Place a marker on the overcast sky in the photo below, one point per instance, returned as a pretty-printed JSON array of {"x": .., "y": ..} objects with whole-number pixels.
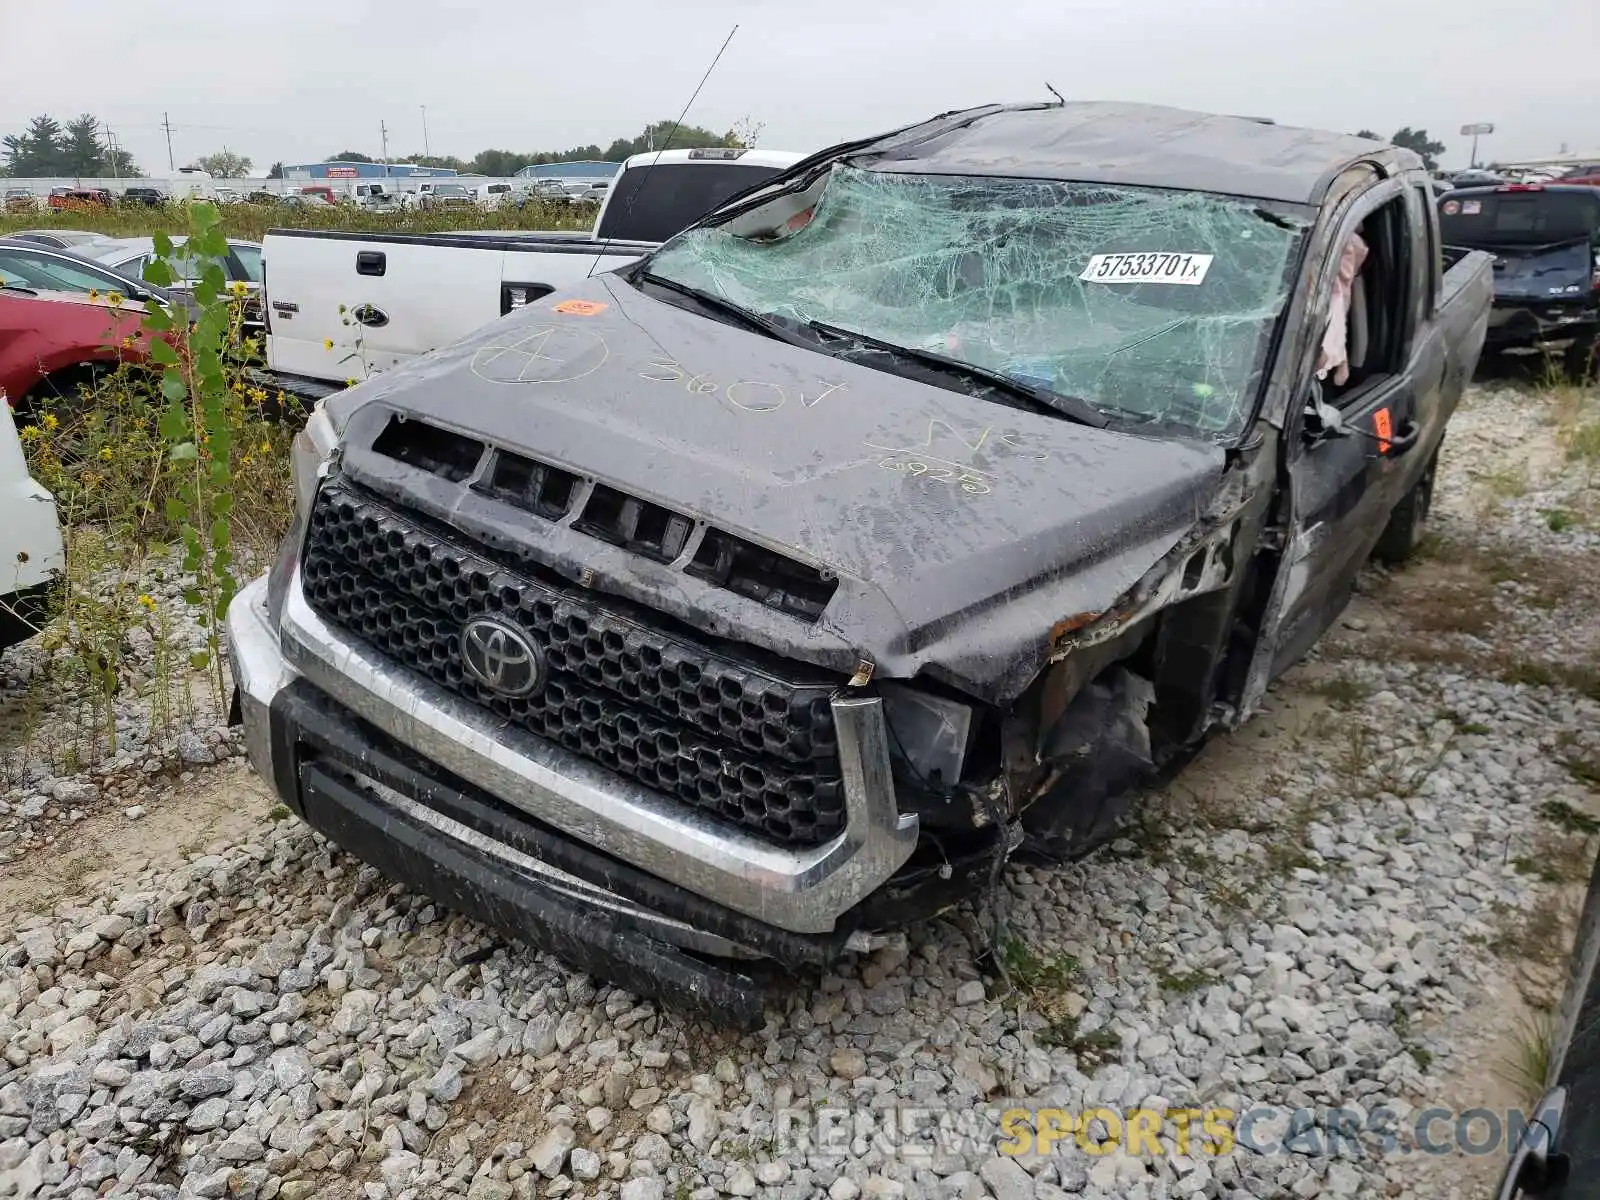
[{"x": 296, "y": 80}]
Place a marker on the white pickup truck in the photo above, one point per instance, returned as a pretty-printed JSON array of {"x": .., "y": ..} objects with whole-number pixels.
[
  {"x": 31, "y": 553},
  {"x": 347, "y": 305}
]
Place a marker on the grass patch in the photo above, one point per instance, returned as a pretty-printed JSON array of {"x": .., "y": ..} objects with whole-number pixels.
[
  {"x": 1564, "y": 816},
  {"x": 1537, "y": 868},
  {"x": 1559, "y": 520},
  {"x": 1342, "y": 692},
  {"x": 1535, "y": 933},
  {"x": 1284, "y": 857},
  {"x": 251, "y": 221},
  {"x": 1034, "y": 974},
  {"x": 1043, "y": 983},
  {"x": 279, "y": 812},
  {"x": 1583, "y": 678},
  {"x": 1093, "y": 1049},
  {"x": 1529, "y": 1060},
  {"x": 1185, "y": 983},
  {"x": 748, "y": 1149},
  {"x": 1508, "y": 482},
  {"x": 1584, "y": 445},
  {"x": 1585, "y": 770}
]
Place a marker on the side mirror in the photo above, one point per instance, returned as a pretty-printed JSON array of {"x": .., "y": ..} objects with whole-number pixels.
[
  {"x": 1326, "y": 420},
  {"x": 1322, "y": 420}
]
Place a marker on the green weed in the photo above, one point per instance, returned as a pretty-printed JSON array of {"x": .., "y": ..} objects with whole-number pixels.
[
  {"x": 1342, "y": 692},
  {"x": 1529, "y": 1061},
  {"x": 1032, "y": 973},
  {"x": 1565, "y": 816},
  {"x": 1558, "y": 520},
  {"x": 1184, "y": 983}
]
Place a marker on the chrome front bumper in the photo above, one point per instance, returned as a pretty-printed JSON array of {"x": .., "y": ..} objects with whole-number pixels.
[{"x": 799, "y": 890}]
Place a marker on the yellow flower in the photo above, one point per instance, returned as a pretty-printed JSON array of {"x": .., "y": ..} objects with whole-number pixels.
[
  {"x": 127, "y": 342},
  {"x": 327, "y": 343},
  {"x": 148, "y": 601},
  {"x": 259, "y": 395},
  {"x": 245, "y": 462},
  {"x": 114, "y": 299},
  {"x": 105, "y": 453},
  {"x": 29, "y": 433},
  {"x": 266, "y": 447},
  {"x": 94, "y": 293},
  {"x": 349, "y": 383},
  {"x": 237, "y": 288},
  {"x": 49, "y": 421}
]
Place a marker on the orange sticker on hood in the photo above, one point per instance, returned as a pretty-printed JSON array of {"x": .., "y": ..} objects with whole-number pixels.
[{"x": 581, "y": 308}]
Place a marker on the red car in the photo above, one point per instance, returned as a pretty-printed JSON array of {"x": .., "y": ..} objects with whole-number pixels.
[
  {"x": 76, "y": 199},
  {"x": 52, "y": 341},
  {"x": 62, "y": 320}
]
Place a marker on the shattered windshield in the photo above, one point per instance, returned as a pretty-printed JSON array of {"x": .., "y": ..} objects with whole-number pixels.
[{"x": 1154, "y": 306}]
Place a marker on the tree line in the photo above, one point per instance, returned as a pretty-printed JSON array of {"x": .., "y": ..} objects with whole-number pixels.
[
  {"x": 48, "y": 148},
  {"x": 82, "y": 148}
]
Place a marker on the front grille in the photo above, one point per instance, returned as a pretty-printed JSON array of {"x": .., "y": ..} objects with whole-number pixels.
[{"x": 721, "y": 732}]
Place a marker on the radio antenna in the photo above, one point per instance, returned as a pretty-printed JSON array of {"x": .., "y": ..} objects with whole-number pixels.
[
  {"x": 1051, "y": 89},
  {"x": 643, "y": 183}
]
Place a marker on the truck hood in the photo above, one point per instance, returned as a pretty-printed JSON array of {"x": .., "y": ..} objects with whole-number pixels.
[
  {"x": 962, "y": 532},
  {"x": 1524, "y": 275}
]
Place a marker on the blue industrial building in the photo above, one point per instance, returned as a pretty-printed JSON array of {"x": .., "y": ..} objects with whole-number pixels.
[
  {"x": 361, "y": 170},
  {"x": 572, "y": 172}
]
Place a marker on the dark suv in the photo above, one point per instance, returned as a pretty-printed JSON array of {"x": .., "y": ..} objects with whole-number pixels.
[
  {"x": 1546, "y": 243},
  {"x": 144, "y": 195}
]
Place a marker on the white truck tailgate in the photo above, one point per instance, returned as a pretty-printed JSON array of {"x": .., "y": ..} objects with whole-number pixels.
[{"x": 402, "y": 296}]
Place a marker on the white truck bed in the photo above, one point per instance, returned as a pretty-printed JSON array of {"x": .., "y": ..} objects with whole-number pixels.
[{"x": 342, "y": 306}]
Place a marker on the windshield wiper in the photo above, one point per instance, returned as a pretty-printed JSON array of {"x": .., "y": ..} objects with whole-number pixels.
[
  {"x": 1042, "y": 399},
  {"x": 747, "y": 317},
  {"x": 21, "y": 289}
]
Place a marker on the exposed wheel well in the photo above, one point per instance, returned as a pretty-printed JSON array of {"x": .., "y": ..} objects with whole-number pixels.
[{"x": 62, "y": 383}]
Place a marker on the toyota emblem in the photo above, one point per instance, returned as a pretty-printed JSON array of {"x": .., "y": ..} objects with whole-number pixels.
[{"x": 501, "y": 657}]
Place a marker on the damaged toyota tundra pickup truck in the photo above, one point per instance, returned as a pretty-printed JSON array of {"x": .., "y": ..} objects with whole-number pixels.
[{"x": 730, "y": 610}]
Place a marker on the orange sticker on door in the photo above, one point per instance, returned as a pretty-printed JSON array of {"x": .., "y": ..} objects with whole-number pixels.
[
  {"x": 1383, "y": 426},
  {"x": 581, "y": 308}
]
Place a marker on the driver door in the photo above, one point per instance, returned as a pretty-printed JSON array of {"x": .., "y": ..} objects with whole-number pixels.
[{"x": 1347, "y": 474}]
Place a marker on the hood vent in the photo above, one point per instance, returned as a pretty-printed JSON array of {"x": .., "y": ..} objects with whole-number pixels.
[
  {"x": 426, "y": 447},
  {"x": 637, "y": 525},
  {"x": 610, "y": 515},
  {"x": 535, "y": 487},
  {"x": 759, "y": 574}
]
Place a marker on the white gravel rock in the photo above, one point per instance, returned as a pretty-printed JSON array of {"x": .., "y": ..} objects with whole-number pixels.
[{"x": 284, "y": 1020}]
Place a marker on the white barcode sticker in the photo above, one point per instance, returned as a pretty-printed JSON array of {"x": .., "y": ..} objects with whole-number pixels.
[{"x": 1151, "y": 267}]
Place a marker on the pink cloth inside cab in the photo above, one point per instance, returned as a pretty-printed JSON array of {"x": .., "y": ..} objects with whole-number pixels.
[{"x": 1335, "y": 353}]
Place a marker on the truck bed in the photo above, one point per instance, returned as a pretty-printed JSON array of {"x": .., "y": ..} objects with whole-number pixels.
[{"x": 343, "y": 305}]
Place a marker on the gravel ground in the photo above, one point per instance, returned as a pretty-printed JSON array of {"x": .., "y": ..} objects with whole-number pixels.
[{"x": 1347, "y": 903}]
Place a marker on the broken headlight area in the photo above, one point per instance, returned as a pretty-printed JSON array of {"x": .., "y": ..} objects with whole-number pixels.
[{"x": 311, "y": 449}]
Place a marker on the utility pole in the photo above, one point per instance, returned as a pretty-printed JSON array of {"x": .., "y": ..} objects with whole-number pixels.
[
  {"x": 111, "y": 144},
  {"x": 426, "y": 153},
  {"x": 166, "y": 124},
  {"x": 383, "y": 131}
]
